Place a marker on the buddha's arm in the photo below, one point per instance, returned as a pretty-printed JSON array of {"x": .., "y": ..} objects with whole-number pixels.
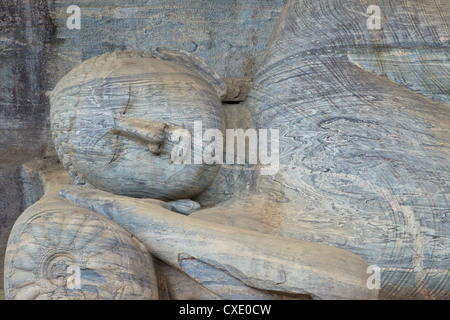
[{"x": 261, "y": 261}]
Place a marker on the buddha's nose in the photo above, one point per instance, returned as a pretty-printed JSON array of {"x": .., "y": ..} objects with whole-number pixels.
[{"x": 150, "y": 133}]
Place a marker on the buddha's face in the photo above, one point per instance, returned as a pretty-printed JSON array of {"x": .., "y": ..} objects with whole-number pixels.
[{"x": 113, "y": 124}]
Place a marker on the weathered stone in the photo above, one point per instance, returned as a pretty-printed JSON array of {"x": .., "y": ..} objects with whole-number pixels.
[
  {"x": 364, "y": 161},
  {"x": 37, "y": 50},
  {"x": 115, "y": 117},
  {"x": 238, "y": 88},
  {"x": 259, "y": 260},
  {"x": 53, "y": 235},
  {"x": 364, "y": 166}
]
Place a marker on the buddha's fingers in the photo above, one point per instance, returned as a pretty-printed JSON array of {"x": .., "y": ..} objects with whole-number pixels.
[{"x": 259, "y": 260}]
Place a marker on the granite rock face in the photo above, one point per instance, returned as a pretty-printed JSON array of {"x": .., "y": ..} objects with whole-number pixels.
[
  {"x": 364, "y": 146},
  {"x": 37, "y": 49},
  {"x": 230, "y": 36},
  {"x": 364, "y": 160},
  {"x": 118, "y": 121}
]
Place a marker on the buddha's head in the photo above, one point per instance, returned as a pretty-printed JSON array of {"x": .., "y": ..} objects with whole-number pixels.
[{"x": 113, "y": 119}]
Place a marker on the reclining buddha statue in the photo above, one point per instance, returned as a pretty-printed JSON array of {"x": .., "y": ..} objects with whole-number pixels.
[{"x": 148, "y": 206}]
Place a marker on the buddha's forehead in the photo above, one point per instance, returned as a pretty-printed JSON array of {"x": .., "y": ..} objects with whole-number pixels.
[
  {"x": 120, "y": 102},
  {"x": 143, "y": 78}
]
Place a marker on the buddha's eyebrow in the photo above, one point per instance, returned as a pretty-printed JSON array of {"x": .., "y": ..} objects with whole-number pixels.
[{"x": 151, "y": 133}]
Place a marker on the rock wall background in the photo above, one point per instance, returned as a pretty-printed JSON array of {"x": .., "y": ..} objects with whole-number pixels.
[{"x": 37, "y": 49}]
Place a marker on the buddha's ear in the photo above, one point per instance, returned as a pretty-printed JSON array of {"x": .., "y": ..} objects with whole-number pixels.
[{"x": 195, "y": 64}]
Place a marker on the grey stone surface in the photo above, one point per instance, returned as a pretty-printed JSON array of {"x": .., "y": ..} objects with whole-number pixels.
[
  {"x": 230, "y": 36},
  {"x": 117, "y": 118},
  {"x": 37, "y": 49},
  {"x": 364, "y": 160},
  {"x": 11, "y": 206}
]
